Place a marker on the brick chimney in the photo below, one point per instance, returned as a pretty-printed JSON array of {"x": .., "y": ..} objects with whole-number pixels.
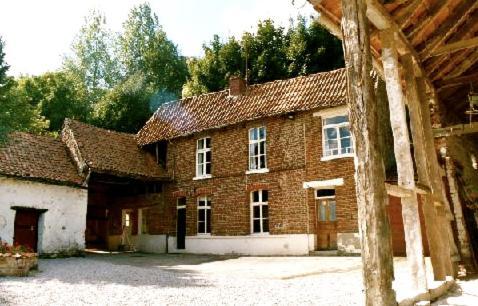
[{"x": 237, "y": 86}]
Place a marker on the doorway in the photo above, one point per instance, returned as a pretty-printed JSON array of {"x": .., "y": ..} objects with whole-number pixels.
[
  {"x": 181, "y": 224},
  {"x": 26, "y": 228},
  {"x": 326, "y": 219}
]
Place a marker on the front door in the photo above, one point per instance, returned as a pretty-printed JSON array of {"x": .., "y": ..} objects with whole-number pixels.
[
  {"x": 326, "y": 224},
  {"x": 181, "y": 224},
  {"x": 26, "y": 228}
]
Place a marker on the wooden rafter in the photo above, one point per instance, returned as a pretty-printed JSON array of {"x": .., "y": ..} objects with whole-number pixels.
[
  {"x": 448, "y": 66},
  {"x": 402, "y": 16},
  {"x": 459, "y": 129},
  {"x": 457, "y": 46},
  {"x": 469, "y": 61},
  {"x": 447, "y": 29},
  {"x": 457, "y": 81}
]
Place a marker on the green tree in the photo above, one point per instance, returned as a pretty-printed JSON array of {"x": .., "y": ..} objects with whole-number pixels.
[
  {"x": 93, "y": 60},
  {"x": 16, "y": 114},
  {"x": 126, "y": 107},
  {"x": 57, "y": 95},
  {"x": 145, "y": 48}
]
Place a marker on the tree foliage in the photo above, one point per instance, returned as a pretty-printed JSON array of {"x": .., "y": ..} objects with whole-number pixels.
[
  {"x": 16, "y": 114},
  {"x": 271, "y": 53}
]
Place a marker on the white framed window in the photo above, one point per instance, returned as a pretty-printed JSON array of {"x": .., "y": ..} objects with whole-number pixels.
[
  {"x": 336, "y": 137},
  {"x": 204, "y": 215},
  {"x": 257, "y": 149},
  {"x": 203, "y": 158},
  {"x": 259, "y": 212},
  {"x": 326, "y": 205}
]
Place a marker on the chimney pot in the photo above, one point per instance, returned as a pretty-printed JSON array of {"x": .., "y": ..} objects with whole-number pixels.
[{"x": 237, "y": 86}]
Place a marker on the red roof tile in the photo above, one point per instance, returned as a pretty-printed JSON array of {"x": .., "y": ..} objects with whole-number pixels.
[
  {"x": 37, "y": 157},
  {"x": 218, "y": 109},
  {"x": 110, "y": 152}
]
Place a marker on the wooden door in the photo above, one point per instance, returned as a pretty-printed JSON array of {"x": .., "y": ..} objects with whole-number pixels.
[
  {"x": 326, "y": 224},
  {"x": 26, "y": 228},
  {"x": 181, "y": 224}
]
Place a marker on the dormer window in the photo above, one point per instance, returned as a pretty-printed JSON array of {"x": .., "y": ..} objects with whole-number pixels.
[{"x": 203, "y": 158}]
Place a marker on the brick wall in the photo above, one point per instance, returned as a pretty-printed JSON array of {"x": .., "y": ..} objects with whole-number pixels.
[{"x": 294, "y": 149}]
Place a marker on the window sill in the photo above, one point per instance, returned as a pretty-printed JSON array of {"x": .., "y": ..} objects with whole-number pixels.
[
  {"x": 332, "y": 157},
  {"x": 204, "y": 177},
  {"x": 265, "y": 234},
  {"x": 208, "y": 235},
  {"x": 265, "y": 170}
]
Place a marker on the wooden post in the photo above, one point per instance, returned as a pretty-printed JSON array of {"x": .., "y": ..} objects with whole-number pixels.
[
  {"x": 436, "y": 181},
  {"x": 435, "y": 235},
  {"x": 406, "y": 176},
  {"x": 374, "y": 225}
]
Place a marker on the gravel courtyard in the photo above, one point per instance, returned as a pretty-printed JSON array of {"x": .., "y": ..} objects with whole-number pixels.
[{"x": 138, "y": 279}]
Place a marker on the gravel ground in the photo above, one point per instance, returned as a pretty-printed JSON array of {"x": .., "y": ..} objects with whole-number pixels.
[{"x": 135, "y": 279}]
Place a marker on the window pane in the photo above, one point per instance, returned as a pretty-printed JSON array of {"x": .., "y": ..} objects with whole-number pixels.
[
  {"x": 331, "y": 145},
  {"x": 346, "y": 144},
  {"x": 200, "y": 158},
  {"x": 201, "y": 215},
  {"x": 208, "y": 222},
  {"x": 201, "y": 227},
  {"x": 262, "y": 164},
  {"x": 202, "y": 203},
  {"x": 265, "y": 211},
  {"x": 262, "y": 133},
  {"x": 181, "y": 201},
  {"x": 208, "y": 142},
  {"x": 330, "y": 133},
  {"x": 262, "y": 147},
  {"x": 200, "y": 144},
  {"x": 265, "y": 225},
  {"x": 208, "y": 168},
  {"x": 252, "y": 163},
  {"x": 255, "y": 149},
  {"x": 253, "y": 134},
  {"x": 345, "y": 132},
  {"x": 208, "y": 156},
  {"x": 256, "y": 226},
  {"x": 322, "y": 212},
  {"x": 325, "y": 193},
  {"x": 332, "y": 216},
  {"x": 265, "y": 195},
  {"x": 336, "y": 120},
  {"x": 256, "y": 211},
  {"x": 255, "y": 196}
]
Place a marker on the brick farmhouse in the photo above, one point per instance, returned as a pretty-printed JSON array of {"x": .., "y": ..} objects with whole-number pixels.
[{"x": 264, "y": 169}]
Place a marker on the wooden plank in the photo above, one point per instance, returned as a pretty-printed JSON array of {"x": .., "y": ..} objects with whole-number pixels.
[
  {"x": 456, "y": 81},
  {"x": 456, "y": 46},
  {"x": 398, "y": 191},
  {"x": 375, "y": 232},
  {"x": 456, "y": 130},
  {"x": 406, "y": 176}
]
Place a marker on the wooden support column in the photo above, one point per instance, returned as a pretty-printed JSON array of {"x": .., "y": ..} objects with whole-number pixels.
[
  {"x": 435, "y": 235},
  {"x": 406, "y": 176},
  {"x": 440, "y": 200},
  {"x": 374, "y": 224}
]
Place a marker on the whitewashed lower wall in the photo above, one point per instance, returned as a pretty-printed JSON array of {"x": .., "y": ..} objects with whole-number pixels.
[
  {"x": 150, "y": 243},
  {"x": 348, "y": 243},
  {"x": 297, "y": 244},
  {"x": 61, "y": 228}
]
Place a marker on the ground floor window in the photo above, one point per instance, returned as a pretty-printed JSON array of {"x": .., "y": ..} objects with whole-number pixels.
[
  {"x": 326, "y": 205},
  {"x": 204, "y": 215},
  {"x": 259, "y": 211}
]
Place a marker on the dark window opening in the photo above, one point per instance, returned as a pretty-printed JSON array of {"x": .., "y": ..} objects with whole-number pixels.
[
  {"x": 325, "y": 193},
  {"x": 161, "y": 153}
]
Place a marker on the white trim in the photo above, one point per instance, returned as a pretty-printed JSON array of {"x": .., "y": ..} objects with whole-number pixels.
[
  {"x": 257, "y": 141},
  {"x": 206, "y": 176},
  {"x": 263, "y": 170},
  {"x": 324, "y": 183},
  {"x": 331, "y": 112},
  {"x": 261, "y": 203},
  {"x": 332, "y": 157},
  {"x": 203, "y": 152},
  {"x": 207, "y": 207}
]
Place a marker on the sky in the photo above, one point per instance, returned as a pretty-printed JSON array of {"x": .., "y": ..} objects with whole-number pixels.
[{"x": 38, "y": 33}]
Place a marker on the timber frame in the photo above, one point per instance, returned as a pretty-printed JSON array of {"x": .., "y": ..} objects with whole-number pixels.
[{"x": 427, "y": 54}]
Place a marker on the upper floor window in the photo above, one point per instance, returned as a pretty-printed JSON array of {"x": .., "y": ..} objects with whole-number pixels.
[
  {"x": 337, "y": 139},
  {"x": 257, "y": 148},
  {"x": 204, "y": 215},
  {"x": 260, "y": 211},
  {"x": 203, "y": 157}
]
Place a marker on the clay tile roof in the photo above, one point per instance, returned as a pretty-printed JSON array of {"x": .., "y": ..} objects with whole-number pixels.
[
  {"x": 37, "y": 157},
  {"x": 109, "y": 152},
  {"x": 218, "y": 109}
]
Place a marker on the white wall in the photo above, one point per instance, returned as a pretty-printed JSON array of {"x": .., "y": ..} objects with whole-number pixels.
[
  {"x": 150, "y": 243},
  {"x": 61, "y": 228},
  {"x": 297, "y": 244}
]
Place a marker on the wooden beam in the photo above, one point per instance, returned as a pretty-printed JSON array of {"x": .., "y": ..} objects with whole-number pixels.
[
  {"x": 374, "y": 225},
  {"x": 379, "y": 16},
  {"x": 449, "y": 28},
  {"x": 456, "y": 130},
  {"x": 398, "y": 191},
  {"x": 406, "y": 175},
  {"x": 456, "y": 81},
  {"x": 462, "y": 67},
  {"x": 456, "y": 46}
]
